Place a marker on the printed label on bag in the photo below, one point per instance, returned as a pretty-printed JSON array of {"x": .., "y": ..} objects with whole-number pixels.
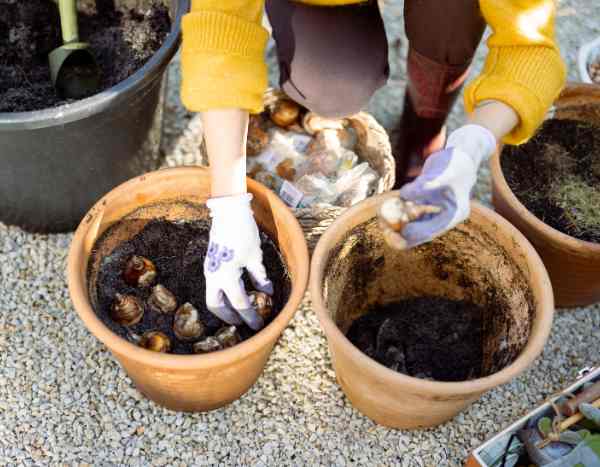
[{"x": 290, "y": 194}]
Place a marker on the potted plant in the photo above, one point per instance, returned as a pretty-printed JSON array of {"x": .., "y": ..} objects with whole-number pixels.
[
  {"x": 183, "y": 382},
  {"x": 59, "y": 155},
  {"x": 483, "y": 272},
  {"x": 573, "y": 263}
]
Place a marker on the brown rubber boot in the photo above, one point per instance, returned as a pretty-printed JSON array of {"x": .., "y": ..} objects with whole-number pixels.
[{"x": 431, "y": 92}]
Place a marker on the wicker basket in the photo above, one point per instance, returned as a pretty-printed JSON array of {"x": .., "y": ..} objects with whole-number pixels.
[{"x": 373, "y": 146}]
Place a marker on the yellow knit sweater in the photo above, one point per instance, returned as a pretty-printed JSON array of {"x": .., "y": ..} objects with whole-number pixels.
[{"x": 224, "y": 43}]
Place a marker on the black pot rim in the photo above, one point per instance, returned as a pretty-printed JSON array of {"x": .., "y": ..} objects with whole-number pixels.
[{"x": 98, "y": 102}]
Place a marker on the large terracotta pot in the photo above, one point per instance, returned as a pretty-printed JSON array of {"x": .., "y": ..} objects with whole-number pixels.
[
  {"x": 186, "y": 382},
  {"x": 483, "y": 260},
  {"x": 573, "y": 265},
  {"x": 94, "y": 143}
]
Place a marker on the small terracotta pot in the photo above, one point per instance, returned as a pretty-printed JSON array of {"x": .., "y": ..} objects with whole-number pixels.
[
  {"x": 481, "y": 260},
  {"x": 573, "y": 265},
  {"x": 187, "y": 382}
]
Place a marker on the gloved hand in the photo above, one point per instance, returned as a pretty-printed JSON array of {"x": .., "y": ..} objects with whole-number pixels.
[
  {"x": 446, "y": 181},
  {"x": 234, "y": 244}
]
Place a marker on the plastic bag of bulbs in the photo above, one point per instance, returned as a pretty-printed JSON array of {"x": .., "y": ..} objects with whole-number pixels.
[{"x": 307, "y": 159}]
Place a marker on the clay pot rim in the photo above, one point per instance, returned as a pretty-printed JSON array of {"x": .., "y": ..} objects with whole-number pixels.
[
  {"x": 79, "y": 294},
  {"x": 539, "y": 333},
  {"x": 554, "y": 235}
]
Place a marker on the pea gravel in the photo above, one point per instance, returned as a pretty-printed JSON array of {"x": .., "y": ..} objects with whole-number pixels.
[{"x": 65, "y": 401}]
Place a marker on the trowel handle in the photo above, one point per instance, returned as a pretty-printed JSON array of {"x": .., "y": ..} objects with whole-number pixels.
[{"x": 68, "y": 20}]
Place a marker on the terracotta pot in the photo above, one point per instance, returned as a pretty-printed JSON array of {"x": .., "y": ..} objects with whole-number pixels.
[
  {"x": 573, "y": 265},
  {"x": 482, "y": 260},
  {"x": 186, "y": 382}
]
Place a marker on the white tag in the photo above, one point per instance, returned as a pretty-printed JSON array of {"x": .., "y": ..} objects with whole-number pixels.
[{"x": 290, "y": 194}]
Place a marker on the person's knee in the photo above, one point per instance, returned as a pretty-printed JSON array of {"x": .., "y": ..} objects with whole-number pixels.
[
  {"x": 331, "y": 103},
  {"x": 336, "y": 98},
  {"x": 331, "y": 59}
]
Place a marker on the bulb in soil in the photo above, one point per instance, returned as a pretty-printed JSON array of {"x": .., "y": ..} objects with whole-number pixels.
[
  {"x": 257, "y": 140},
  {"x": 155, "y": 341},
  {"x": 127, "y": 310},
  {"x": 187, "y": 325},
  {"x": 139, "y": 272},
  {"x": 285, "y": 113},
  {"x": 134, "y": 338},
  {"x": 162, "y": 300},
  {"x": 262, "y": 303},
  {"x": 207, "y": 345},
  {"x": 228, "y": 336}
]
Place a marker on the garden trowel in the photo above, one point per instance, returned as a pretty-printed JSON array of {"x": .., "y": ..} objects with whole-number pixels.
[{"x": 73, "y": 69}]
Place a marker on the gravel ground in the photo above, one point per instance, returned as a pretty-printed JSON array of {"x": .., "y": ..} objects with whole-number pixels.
[{"x": 65, "y": 400}]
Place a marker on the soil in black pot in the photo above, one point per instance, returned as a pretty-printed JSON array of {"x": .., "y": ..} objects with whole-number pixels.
[
  {"x": 426, "y": 337},
  {"x": 177, "y": 249},
  {"x": 121, "y": 41},
  {"x": 556, "y": 176}
]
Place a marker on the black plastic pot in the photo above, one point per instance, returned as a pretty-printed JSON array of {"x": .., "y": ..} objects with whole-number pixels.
[{"x": 55, "y": 163}]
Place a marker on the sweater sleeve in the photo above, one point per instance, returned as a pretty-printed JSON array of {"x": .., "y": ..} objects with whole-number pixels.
[
  {"x": 222, "y": 58},
  {"x": 523, "y": 68}
]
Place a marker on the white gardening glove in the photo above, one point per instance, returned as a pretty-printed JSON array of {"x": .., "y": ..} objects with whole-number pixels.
[
  {"x": 447, "y": 179},
  {"x": 234, "y": 244}
]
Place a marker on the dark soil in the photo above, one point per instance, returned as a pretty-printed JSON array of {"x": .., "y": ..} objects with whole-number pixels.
[
  {"x": 178, "y": 251},
  {"x": 556, "y": 176},
  {"x": 121, "y": 42},
  {"x": 426, "y": 337}
]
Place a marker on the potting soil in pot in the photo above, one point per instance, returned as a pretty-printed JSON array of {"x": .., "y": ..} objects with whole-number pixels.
[
  {"x": 177, "y": 249},
  {"x": 454, "y": 309},
  {"x": 556, "y": 176},
  {"x": 425, "y": 337},
  {"x": 121, "y": 40}
]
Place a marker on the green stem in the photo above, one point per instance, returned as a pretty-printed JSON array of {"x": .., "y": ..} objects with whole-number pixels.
[{"x": 68, "y": 20}]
